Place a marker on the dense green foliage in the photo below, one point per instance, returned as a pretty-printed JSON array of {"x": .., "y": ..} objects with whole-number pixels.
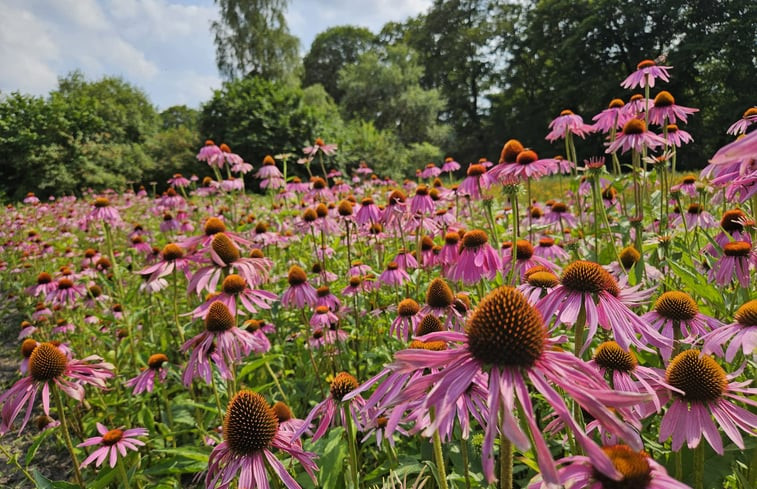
[{"x": 462, "y": 77}]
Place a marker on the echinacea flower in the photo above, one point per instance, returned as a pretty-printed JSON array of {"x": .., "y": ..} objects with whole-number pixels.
[
  {"x": 708, "y": 392},
  {"x": 637, "y": 469},
  {"x": 103, "y": 211},
  {"x": 525, "y": 259},
  {"x": 676, "y": 136},
  {"x": 741, "y": 125},
  {"x": 222, "y": 342},
  {"x": 742, "y": 334},
  {"x": 407, "y": 319},
  {"x": 250, "y": 430},
  {"x": 506, "y": 337},
  {"x": 477, "y": 259},
  {"x": 613, "y": 117},
  {"x": 209, "y": 153},
  {"x": 300, "y": 292},
  {"x": 476, "y": 181},
  {"x": 342, "y": 384},
  {"x": 145, "y": 381},
  {"x": 646, "y": 73},
  {"x": 393, "y": 276},
  {"x": 111, "y": 444},
  {"x": 587, "y": 286},
  {"x": 319, "y": 145},
  {"x": 568, "y": 122},
  {"x": 171, "y": 258},
  {"x": 450, "y": 165},
  {"x": 738, "y": 257},
  {"x": 676, "y": 315},
  {"x": 430, "y": 171},
  {"x": 49, "y": 367},
  {"x": 635, "y": 136},
  {"x": 665, "y": 110}
]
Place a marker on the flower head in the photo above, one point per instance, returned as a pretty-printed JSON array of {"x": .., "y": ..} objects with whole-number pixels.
[
  {"x": 111, "y": 443},
  {"x": 646, "y": 73}
]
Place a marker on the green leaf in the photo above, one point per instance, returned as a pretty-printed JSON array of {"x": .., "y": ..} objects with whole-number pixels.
[
  {"x": 35, "y": 446},
  {"x": 45, "y": 483},
  {"x": 334, "y": 455}
]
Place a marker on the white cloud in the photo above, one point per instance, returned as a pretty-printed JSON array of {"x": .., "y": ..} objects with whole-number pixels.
[{"x": 163, "y": 46}]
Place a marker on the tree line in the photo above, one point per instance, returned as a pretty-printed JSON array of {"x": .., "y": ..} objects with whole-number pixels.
[{"x": 456, "y": 80}]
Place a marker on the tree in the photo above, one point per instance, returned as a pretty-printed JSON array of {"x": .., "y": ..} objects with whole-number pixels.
[
  {"x": 179, "y": 115},
  {"x": 252, "y": 39},
  {"x": 331, "y": 50},
  {"x": 384, "y": 87},
  {"x": 256, "y": 117}
]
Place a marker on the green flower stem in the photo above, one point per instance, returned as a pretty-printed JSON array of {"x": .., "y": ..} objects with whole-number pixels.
[
  {"x": 352, "y": 446},
  {"x": 698, "y": 455},
  {"x": 67, "y": 435},
  {"x": 179, "y": 329},
  {"x": 466, "y": 468},
  {"x": 513, "y": 248},
  {"x": 221, "y": 410},
  {"x": 505, "y": 462},
  {"x": 169, "y": 413},
  {"x": 439, "y": 459},
  {"x": 122, "y": 473},
  {"x": 13, "y": 459}
]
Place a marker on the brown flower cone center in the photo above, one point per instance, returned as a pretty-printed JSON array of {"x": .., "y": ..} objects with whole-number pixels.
[
  {"x": 112, "y": 437},
  {"x": 544, "y": 280},
  {"x": 475, "y": 239},
  {"x": 611, "y": 356},
  {"x": 342, "y": 385},
  {"x": 633, "y": 466},
  {"x": 250, "y": 424},
  {"x": 225, "y": 248},
  {"x": 506, "y": 330},
  {"x": 664, "y": 99},
  {"x": 407, "y": 307},
  {"x": 586, "y": 276},
  {"x": 172, "y": 252},
  {"x": 234, "y": 284},
  {"x": 282, "y": 412},
  {"x": 44, "y": 278},
  {"x": 214, "y": 226},
  {"x": 429, "y": 324},
  {"x": 737, "y": 248},
  {"x": 439, "y": 295},
  {"x": 219, "y": 318},
  {"x": 156, "y": 361},
  {"x": 698, "y": 376},
  {"x": 27, "y": 347},
  {"x": 510, "y": 151},
  {"x": 634, "y": 126},
  {"x": 523, "y": 250},
  {"x": 629, "y": 256},
  {"x": 526, "y": 157},
  {"x": 101, "y": 202},
  {"x": 47, "y": 362},
  {"x": 747, "y": 314},
  {"x": 732, "y": 220},
  {"x": 428, "y": 345},
  {"x": 676, "y": 305},
  {"x": 559, "y": 207}
]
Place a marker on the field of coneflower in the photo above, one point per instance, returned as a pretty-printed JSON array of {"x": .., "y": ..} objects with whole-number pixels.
[{"x": 469, "y": 327}]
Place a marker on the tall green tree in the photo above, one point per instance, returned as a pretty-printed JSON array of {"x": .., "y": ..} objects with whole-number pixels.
[
  {"x": 384, "y": 87},
  {"x": 256, "y": 116},
  {"x": 331, "y": 50},
  {"x": 252, "y": 39}
]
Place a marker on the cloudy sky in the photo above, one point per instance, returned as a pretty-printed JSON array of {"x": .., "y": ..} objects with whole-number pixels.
[{"x": 163, "y": 46}]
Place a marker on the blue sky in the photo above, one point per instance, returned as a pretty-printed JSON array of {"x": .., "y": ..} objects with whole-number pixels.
[{"x": 162, "y": 46}]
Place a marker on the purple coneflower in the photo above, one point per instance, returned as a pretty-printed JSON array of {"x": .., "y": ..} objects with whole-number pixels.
[
  {"x": 477, "y": 259},
  {"x": 112, "y": 442},
  {"x": 676, "y": 315},
  {"x": 393, "y": 276},
  {"x": 646, "y": 73},
  {"x": 738, "y": 257},
  {"x": 547, "y": 249},
  {"x": 525, "y": 259},
  {"x": 665, "y": 110},
  {"x": 66, "y": 292},
  {"x": 568, "y": 122},
  {"x": 222, "y": 342},
  {"x": 145, "y": 381},
  {"x": 707, "y": 392},
  {"x": 250, "y": 429},
  {"x": 300, "y": 292},
  {"x": 587, "y": 286},
  {"x": 430, "y": 171},
  {"x": 613, "y": 117},
  {"x": 559, "y": 216},
  {"x": 49, "y": 367},
  {"x": 44, "y": 285},
  {"x": 687, "y": 185},
  {"x": 319, "y": 145},
  {"x": 406, "y": 321},
  {"x": 450, "y": 165},
  {"x": 537, "y": 283},
  {"x": 741, "y": 125},
  {"x": 742, "y": 334},
  {"x": 637, "y": 470},
  {"x": 634, "y": 137},
  {"x": 507, "y": 338},
  {"x": 179, "y": 181},
  {"x": 343, "y": 384},
  {"x": 103, "y": 211},
  {"x": 676, "y": 136},
  {"x": 172, "y": 258},
  {"x": 476, "y": 181},
  {"x": 209, "y": 153}
]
